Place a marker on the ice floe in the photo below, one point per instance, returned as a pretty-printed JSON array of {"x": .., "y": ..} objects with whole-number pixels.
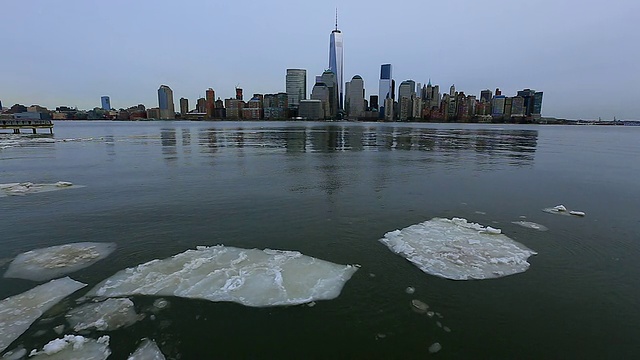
[
  {"x": 74, "y": 347},
  {"x": 48, "y": 263},
  {"x": 250, "y": 277},
  {"x": 435, "y": 347},
  {"x": 459, "y": 250},
  {"x": 18, "y": 312},
  {"x": 108, "y": 315},
  {"x": 15, "y": 354},
  {"x": 148, "y": 350},
  {"x": 31, "y": 188},
  {"x": 531, "y": 225},
  {"x": 562, "y": 210},
  {"x": 419, "y": 306}
]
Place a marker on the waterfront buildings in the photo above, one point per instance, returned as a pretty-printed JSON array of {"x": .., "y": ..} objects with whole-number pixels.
[
  {"x": 354, "y": 104},
  {"x": 322, "y": 94},
  {"x": 311, "y": 109},
  {"x": 184, "y": 106},
  {"x": 210, "y": 102},
  {"x": 165, "y": 103},
  {"x": 296, "y": 86},
  {"x": 406, "y": 96},
  {"x": 201, "y": 105},
  {"x": 336, "y": 61},
  {"x": 385, "y": 87},
  {"x": 105, "y": 102}
]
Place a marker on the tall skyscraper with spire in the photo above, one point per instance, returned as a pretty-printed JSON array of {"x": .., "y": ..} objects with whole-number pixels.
[{"x": 336, "y": 60}]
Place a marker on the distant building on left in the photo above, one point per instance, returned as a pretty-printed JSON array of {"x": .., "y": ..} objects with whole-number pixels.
[
  {"x": 106, "y": 103},
  {"x": 165, "y": 102}
]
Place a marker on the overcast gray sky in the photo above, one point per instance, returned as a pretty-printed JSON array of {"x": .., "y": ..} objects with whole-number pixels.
[{"x": 584, "y": 55}]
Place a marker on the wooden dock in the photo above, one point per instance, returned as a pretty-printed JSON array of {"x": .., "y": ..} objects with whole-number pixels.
[{"x": 24, "y": 124}]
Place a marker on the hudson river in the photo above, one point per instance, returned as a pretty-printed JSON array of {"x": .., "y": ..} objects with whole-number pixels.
[{"x": 331, "y": 191}]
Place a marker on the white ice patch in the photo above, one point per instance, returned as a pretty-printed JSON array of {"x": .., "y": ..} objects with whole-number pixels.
[
  {"x": 18, "y": 312},
  {"x": 108, "y": 315},
  {"x": 148, "y": 350},
  {"x": 74, "y": 347},
  {"x": 31, "y": 188},
  {"x": 250, "y": 277},
  {"x": 562, "y": 210},
  {"x": 459, "y": 250},
  {"x": 48, "y": 263},
  {"x": 531, "y": 225}
]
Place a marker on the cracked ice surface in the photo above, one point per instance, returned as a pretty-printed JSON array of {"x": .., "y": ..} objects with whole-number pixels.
[
  {"x": 31, "y": 188},
  {"x": 74, "y": 347},
  {"x": 148, "y": 350},
  {"x": 459, "y": 250},
  {"x": 108, "y": 315},
  {"x": 48, "y": 263},
  {"x": 18, "y": 312},
  {"x": 250, "y": 277}
]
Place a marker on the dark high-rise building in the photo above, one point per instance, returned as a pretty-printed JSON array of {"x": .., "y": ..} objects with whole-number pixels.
[
  {"x": 239, "y": 94},
  {"x": 386, "y": 90},
  {"x": 528, "y": 96},
  {"x": 486, "y": 96},
  {"x": 296, "y": 86},
  {"x": 537, "y": 103},
  {"x": 104, "y": 101},
  {"x": 211, "y": 105},
  {"x": 184, "y": 106},
  {"x": 165, "y": 103},
  {"x": 373, "y": 102},
  {"x": 201, "y": 105}
]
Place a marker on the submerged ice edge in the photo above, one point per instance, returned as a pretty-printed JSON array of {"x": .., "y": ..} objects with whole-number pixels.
[
  {"x": 26, "y": 188},
  {"x": 458, "y": 250},
  {"x": 250, "y": 277}
]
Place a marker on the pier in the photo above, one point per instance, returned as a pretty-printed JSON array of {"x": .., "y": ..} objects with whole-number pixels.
[{"x": 32, "y": 124}]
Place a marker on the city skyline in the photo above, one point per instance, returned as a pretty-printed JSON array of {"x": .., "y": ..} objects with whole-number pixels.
[{"x": 564, "y": 49}]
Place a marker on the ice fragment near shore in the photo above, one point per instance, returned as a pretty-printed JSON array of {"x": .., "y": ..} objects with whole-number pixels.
[
  {"x": 48, "y": 263},
  {"x": 74, "y": 347},
  {"x": 459, "y": 250},
  {"x": 250, "y": 277},
  {"x": 531, "y": 225},
  {"x": 148, "y": 350},
  {"x": 18, "y": 312},
  {"x": 108, "y": 315},
  {"x": 31, "y": 188}
]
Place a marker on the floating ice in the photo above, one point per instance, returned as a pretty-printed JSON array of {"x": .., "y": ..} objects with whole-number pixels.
[
  {"x": 148, "y": 350},
  {"x": 577, "y": 213},
  {"x": 459, "y": 250},
  {"x": 435, "y": 347},
  {"x": 562, "y": 210},
  {"x": 250, "y": 277},
  {"x": 419, "y": 306},
  {"x": 74, "y": 347},
  {"x": 410, "y": 290},
  {"x": 31, "y": 188},
  {"x": 108, "y": 315},
  {"x": 15, "y": 354},
  {"x": 18, "y": 312},
  {"x": 48, "y": 263},
  {"x": 531, "y": 225}
]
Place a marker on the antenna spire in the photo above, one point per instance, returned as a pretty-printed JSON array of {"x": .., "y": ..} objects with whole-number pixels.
[{"x": 336, "y": 18}]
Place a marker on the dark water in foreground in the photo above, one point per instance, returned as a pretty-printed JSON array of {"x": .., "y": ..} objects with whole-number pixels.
[{"x": 330, "y": 190}]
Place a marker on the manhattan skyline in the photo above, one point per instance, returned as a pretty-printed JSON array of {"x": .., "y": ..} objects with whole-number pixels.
[{"x": 582, "y": 55}]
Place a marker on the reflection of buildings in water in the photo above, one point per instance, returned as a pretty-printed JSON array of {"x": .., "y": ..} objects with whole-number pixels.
[
  {"x": 295, "y": 140},
  {"x": 169, "y": 143},
  {"x": 208, "y": 140},
  {"x": 186, "y": 141},
  {"x": 109, "y": 140}
]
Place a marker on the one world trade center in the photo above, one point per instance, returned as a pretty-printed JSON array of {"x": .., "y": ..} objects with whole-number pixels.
[{"x": 336, "y": 60}]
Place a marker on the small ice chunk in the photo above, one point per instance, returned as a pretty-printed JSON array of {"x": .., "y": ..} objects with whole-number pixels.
[
  {"x": 48, "y": 263},
  {"x": 311, "y": 304},
  {"x": 419, "y": 306},
  {"x": 531, "y": 225},
  {"x": 439, "y": 324},
  {"x": 410, "y": 290},
  {"x": 430, "y": 313},
  {"x": 459, "y": 250},
  {"x": 148, "y": 350},
  {"x": 559, "y": 208},
  {"x": 250, "y": 277},
  {"x": 18, "y": 312},
  {"x": 108, "y": 315},
  {"x": 577, "y": 213},
  {"x": 15, "y": 354},
  {"x": 31, "y": 188},
  {"x": 446, "y": 329},
  {"x": 74, "y": 347},
  {"x": 435, "y": 347},
  {"x": 59, "y": 329}
]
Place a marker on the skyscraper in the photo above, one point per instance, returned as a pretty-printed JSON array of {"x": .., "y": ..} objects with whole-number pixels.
[
  {"x": 386, "y": 90},
  {"x": 184, "y": 106},
  {"x": 165, "y": 102},
  {"x": 296, "y": 84},
  {"x": 210, "y": 102},
  {"x": 355, "y": 98},
  {"x": 336, "y": 60},
  {"x": 105, "y": 101},
  {"x": 406, "y": 94}
]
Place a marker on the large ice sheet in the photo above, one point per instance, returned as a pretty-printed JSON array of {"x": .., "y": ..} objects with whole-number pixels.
[
  {"x": 148, "y": 350},
  {"x": 31, "y": 188},
  {"x": 108, "y": 315},
  {"x": 18, "y": 312},
  {"x": 74, "y": 347},
  {"x": 459, "y": 250},
  {"x": 250, "y": 277},
  {"x": 48, "y": 263}
]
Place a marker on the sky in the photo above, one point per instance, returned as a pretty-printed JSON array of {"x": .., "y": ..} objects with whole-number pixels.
[{"x": 584, "y": 55}]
